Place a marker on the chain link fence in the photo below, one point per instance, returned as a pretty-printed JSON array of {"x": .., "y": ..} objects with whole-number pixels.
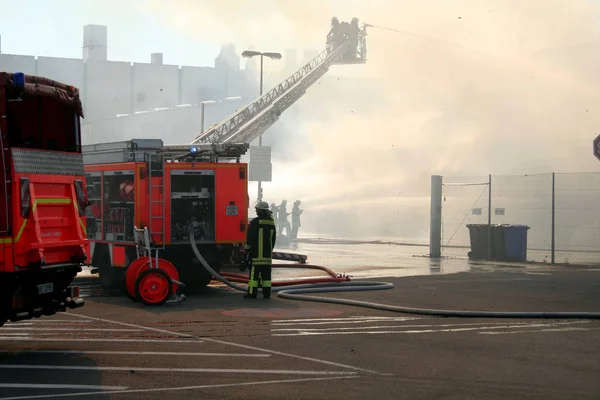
[{"x": 562, "y": 211}]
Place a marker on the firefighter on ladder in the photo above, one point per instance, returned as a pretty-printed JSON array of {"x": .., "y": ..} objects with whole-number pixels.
[{"x": 259, "y": 250}]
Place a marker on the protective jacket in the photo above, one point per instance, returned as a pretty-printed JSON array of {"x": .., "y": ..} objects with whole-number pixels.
[{"x": 261, "y": 240}]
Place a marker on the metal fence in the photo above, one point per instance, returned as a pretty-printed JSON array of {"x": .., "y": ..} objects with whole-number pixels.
[{"x": 561, "y": 209}]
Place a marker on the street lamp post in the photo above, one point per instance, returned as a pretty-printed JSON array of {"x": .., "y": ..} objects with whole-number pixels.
[
  {"x": 274, "y": 56},
  {"x": 202, "y": 111}
]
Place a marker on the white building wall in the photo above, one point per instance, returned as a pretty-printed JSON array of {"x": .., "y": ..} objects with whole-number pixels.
[{"x": 16, "y": 63}]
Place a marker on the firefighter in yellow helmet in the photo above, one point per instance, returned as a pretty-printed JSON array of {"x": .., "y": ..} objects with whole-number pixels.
[{"x": 260, "y": 242}]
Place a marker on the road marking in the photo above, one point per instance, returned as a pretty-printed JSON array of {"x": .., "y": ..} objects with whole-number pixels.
[
  {"x": 361, "y": 321},
  {"x": 180, "y": 388},
  {"x": 73, "y": 329},
  {"x": 59, "y": 386},
  {"x": 345, "y": 319},
  {"x": 392, "y": 326},
  {"x": 230, "y": 344},
  {"x": 196, "y": 370},
  {"x": 540, "y": 330},
  {"x": 14, "y": 338},
  {"x": 49, "y": 321},
  {"x": 141, "y": 353},
  {"x": 317, "y": 332},
  {"x": 16, "y": 334}
]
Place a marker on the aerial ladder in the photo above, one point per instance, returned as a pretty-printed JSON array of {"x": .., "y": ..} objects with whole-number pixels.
[{"x": 346, "y": 44}]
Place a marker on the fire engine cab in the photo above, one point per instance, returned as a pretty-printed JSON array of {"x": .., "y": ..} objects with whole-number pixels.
[{"x": 172, "y": 192}]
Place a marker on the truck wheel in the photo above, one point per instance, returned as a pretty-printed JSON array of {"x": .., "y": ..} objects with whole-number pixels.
[{"x": 153, "y": 287}]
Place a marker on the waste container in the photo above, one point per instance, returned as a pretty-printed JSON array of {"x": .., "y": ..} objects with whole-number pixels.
[
  {"x": 478, "y": 233},
  {"x": 515, "y": 238},
  {"x": 509, "y": 242}
]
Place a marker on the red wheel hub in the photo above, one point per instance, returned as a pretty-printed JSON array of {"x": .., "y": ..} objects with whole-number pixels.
[
  {"x": 142, "y": 264},
  {"x": 154, "y": 287}
]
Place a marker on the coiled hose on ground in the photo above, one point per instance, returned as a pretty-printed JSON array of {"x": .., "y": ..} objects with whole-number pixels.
[{"x": 299, "y": 291}]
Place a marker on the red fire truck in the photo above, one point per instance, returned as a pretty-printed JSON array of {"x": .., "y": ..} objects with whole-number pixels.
[
  {"x": 171, "y": 191},
  {"x": 42, "y": 228},
  {"x": 168, "y": 193}
]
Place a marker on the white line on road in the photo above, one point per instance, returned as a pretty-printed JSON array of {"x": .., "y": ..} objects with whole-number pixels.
[
  {"x": 230, "y": 344},
  {"x": 346, "y": 319},
  {"x": 356, "y": 328},
  {"x": 164, "y": 341},
  {"x": 362, "y": 321},
  {"x": 16, "y": 334},
  {"x": 49, "y": 321},
  {"x": 540, "y": 330},
  {"x": 195, "y": 370},
  {"x": 59, "y": 386},
  {"x": 71, "y": 329},
  {"x": 315, "y": 332},
  {"x": 171, "y": 389},
  {"x": 141, "y": 353},
  {"x": 369, "y": 321}
]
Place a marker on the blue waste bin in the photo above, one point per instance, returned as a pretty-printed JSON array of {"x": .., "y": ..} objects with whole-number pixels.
[{"x": 515, "y": 239}]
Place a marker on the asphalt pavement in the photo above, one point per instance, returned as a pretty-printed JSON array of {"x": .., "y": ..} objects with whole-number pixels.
[{"x": 217, "y": 345}]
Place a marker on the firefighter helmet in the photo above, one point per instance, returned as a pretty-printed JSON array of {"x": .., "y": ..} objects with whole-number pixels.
[{"x": 262, "y": 205}]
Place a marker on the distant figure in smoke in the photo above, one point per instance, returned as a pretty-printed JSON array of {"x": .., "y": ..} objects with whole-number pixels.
[
  {"x": 283, "y": 219},
  {"x": 296, "y": 212},
  {"x": 354, "y": 31},
  {"x": 333, "y": 32},
  {"x": 275, "y": 214}
]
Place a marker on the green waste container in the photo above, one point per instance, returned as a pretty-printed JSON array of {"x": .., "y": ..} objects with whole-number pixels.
[
  {"x": 509, "y": 242},
  {"x": 479, "y": 235}
]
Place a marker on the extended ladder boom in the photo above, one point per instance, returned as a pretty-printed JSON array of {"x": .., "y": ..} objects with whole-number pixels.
[{"x": 251, "y": 121}]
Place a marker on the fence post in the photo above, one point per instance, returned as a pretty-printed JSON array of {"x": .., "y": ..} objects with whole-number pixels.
[
  {"x": 553, "y": 219},
  {"x": 435, "y": 218},
  {"x": 489, "y": 250}
]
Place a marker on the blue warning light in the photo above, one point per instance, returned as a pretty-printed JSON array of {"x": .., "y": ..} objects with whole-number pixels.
[
  {"x": 193, "y": 150},
  {"x": 19, "y": 80}
]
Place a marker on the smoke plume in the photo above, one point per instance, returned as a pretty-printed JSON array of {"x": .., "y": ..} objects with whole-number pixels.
[{"x": 462, "y": 89}]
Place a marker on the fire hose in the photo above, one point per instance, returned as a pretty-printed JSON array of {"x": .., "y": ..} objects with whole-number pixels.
[{"x": 299, "y": 291}]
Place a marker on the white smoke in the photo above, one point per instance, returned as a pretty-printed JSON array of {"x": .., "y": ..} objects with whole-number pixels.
[{"x": 472, "y": 99}]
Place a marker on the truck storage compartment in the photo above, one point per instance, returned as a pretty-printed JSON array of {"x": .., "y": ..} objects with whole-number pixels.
[
  {"x": 93, "y": 212},
  {"x": 192, "y": 205},
  {"x": 118, "y": 193}
]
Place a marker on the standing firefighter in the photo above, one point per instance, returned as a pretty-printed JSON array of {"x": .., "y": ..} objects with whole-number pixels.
[
  {"x": 282, "y": 219},
  {"x": 296, "y": 212},
  {"x": 275, "y": 214},
  {"x": 259, "y": 247}
]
